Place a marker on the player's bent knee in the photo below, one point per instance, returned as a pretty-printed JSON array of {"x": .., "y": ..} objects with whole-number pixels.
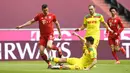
[
  {"x": 41, "y": 52},
  {"x": 112, "y": 48}
]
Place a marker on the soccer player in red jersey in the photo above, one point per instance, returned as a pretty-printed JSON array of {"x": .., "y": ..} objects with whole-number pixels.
[
  {"x": 116, "y": 25},
  {"x": 45, "y": 20}
]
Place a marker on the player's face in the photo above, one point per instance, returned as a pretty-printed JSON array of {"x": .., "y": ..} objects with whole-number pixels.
[
  {"x": 91, "y": 9},
  {"x": 87, "y": 43},
  {"x": 45, "y": 10},
  {"x": 113, "y": 12}
]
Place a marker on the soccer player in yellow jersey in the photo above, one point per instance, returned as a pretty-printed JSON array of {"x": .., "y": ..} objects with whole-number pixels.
[
  {"x": 86, "y": 62},
  {"x": 92, "y": 24}
]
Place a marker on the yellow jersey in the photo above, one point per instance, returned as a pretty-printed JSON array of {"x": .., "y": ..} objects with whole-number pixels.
[
  {"x": 88, "y": 56},
  {"x": 93, "y": 25}
]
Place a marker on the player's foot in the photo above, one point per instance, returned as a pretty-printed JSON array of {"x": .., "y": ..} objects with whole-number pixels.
[
  {"x": 56, "y": 67},
  {"x": 117, "y": 62},
  {"x": 123, "y": 50},
  {"x": 49, "y": 66}
]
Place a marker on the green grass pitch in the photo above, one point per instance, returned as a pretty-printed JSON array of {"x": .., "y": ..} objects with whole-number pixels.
[{"x": 103, "y": 66}]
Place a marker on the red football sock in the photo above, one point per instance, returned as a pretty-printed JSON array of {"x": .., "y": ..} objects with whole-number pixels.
[
  {"x": 58, "y": 49},
  {"x": 114, "y": 55},
  {"x": 44, "y": 57},
  {"x": 123, "y": 50}
]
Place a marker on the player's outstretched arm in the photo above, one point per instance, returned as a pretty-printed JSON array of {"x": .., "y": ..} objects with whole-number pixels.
[
  {"x": 105, "y": 24},
  {"x": 30, "y": 22},
  {"x": 81, "y": 38},
  {"x": 121, "y": 26},
  {"x": 58, "y": 27}
]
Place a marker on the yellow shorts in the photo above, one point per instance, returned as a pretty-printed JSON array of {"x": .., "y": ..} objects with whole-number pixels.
[
  {"x": 74, "y": 63},
  {"x": 96, "y": 42}
]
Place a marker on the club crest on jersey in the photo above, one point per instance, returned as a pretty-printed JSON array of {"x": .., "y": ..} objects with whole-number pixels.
[
  {"x": 43, "y": 21},
  {"x": 115, "y": 21}
]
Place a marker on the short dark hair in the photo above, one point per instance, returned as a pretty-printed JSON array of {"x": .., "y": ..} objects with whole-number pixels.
[
  {"x": 92, "y": 5},
  {"x": 44, "y": 6},
  {"x": 90, "y": 39},
  {"x": 113, "y": 8}
]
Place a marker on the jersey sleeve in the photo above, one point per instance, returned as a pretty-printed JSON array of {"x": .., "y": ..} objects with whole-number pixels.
[
  {"x": 121, "y": 26},
  {"x": 101, "y": 19},
  {"x": 36, "y": 17},
  {"x": 93, "y": 54},
  {"x": 54, "y": 18}
]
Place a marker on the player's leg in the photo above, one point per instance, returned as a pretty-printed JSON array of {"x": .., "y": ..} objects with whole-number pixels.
[
  {"x": 64, "y": 67},
  {"x": 67, "y": 67},
  {"x": 96, "y": 43},
  {"x": 42, "y": 44},
  {"x": 53, "y": 47},
  {"x": 111, "y": 43},
  {"x": 59, "y": 60},
  {"x": 118, "y": 48},
  {"x": 71, "y": 61}
]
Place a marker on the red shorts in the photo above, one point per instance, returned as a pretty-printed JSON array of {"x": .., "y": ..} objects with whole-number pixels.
[
  {"x": 44, "y": 39},
  {"x": 114, "y": 41}
]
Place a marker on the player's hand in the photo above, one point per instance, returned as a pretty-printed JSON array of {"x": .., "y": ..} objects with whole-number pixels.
[
  {"x": 75, "y": 34},
  {"x": 78, "y": 29},
  {"x": 115, "y": 35},
  {"x": 110, "y": 30},
  {"x": 18, "y": 27}
]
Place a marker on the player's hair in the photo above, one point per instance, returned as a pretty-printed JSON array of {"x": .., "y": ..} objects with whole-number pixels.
[
  {"x": 44, "y": 6},
  {"x": 90, "y": 39},
  {"x": 91, "y": 5},
  {"x": 113, "y": 8}
]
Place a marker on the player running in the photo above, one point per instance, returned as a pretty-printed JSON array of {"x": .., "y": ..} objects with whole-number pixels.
[
  {"x": 45, "y": 20},
  {"x": 116, "y": 25},
  {"x": 92, "y": 24},
  {"x": 86, "y": 62}
]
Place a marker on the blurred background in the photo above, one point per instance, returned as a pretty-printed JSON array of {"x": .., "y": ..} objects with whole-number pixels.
[{"x": 70, "y": 13}]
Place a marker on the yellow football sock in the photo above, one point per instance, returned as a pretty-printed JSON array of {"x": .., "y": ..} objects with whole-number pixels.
[{"x": 56, "y": 59}]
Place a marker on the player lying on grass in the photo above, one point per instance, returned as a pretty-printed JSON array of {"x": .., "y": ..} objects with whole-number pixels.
[{"x": 86, "y": 62}]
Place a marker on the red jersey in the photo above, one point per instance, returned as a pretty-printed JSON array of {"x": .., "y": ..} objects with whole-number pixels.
[
  {"x": 116, "y": 25},
  {"x": 45, "y": 23}
]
